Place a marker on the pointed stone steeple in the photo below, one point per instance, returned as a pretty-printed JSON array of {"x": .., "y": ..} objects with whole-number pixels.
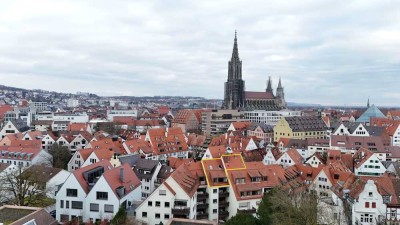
[
  {"x": 279, "y": 84},
  {"x": 234, "y": 87},
  {"x": 235, "y": 52},
  {"x": 280, "y": 94},
  {"x": 368, "y": 103},
  {"x": 269, "y": 85}
]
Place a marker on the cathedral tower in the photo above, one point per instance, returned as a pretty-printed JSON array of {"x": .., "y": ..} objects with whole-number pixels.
[
  {"x": 280, "y": 94},
  {"x": 234, "y": 87},
  {"x": 269, "y": 86}
]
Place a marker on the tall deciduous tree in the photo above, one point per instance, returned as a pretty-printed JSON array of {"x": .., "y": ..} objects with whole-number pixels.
[
  {"x": 61, "y": 156},
  {"x": 280, "y": 208},
  {"x": 23, "y": 188}
]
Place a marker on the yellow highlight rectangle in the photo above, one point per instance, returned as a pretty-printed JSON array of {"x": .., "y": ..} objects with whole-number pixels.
[{"x": 225, "y": 170}]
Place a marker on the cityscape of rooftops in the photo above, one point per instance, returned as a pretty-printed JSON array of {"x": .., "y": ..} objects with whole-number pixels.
[{"x": 199, "y": 112}]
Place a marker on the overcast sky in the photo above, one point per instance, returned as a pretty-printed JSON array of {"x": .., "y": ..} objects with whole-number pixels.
[{"x": 328, "y": 52}]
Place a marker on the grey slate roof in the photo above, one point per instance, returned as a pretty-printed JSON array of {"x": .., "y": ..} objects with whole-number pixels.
[
  {"x": 371, "y": 143},
  {"x": 164, "y": 171},
  {"x": 130, "y": 159},
  {"x": 20, "y": 125},
  {"x": 265, "y": 127},
  {"x": 306, "y": 123},
  {"x": 143, "y": 165}
]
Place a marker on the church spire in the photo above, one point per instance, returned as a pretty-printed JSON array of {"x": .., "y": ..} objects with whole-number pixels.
[
  {"x": 279, "y": 84},
  {"x": 368, "y": 103},
  {"x": 269, "y": 85},
  {"x": 235, "y": 52}
]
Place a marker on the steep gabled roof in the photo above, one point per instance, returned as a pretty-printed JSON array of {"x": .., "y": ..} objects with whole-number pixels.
[
  {"x": 130, "y": 181},
  {"x": 77, "y": 127},
  {"x": 20, "y": 125},
  {"x": 186, "y": 180},
  {"x": 79, "y": 173},
  {"x": 167, "y": 140},
  {"x": 295, "y": 156}
]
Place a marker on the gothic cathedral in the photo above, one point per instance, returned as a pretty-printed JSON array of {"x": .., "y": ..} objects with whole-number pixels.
[{"x": 236, "y": 97}]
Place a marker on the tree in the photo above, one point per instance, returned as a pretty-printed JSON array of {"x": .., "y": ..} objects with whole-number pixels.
[
  {"x": 242, "y": 219},
  {"x": 279, "y": 207},
  {"x": 120, "y": 217},
  {"x": 61, "y": 156},
  {"x": 108, "y": 127},
  {"x": 23, "y": 188}
]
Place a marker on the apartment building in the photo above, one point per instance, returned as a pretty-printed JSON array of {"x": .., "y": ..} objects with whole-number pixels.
[
  {"x": 213, "y": 189},
  {"x": 218, "y": 121},
  {"x": 96, "y": 192}
]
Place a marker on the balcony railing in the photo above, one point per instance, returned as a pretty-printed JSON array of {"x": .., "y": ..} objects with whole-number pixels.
[
  {"x": 202, "y": 216},
  {"x": 223, "y": 215},
  {"x": 202, "y": 195},
  {"x": 247, "y": 211},
  {"x": 223, "y": 204},
  {"x": 223, "y": 194},
  {"x": 202, "y": 205},
  {"x": 181, "y": 211}
]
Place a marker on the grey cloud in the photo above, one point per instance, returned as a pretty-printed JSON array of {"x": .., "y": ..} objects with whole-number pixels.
[{"x": 326, "y": 52}]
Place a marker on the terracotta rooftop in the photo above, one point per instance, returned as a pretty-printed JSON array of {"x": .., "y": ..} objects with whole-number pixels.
[{"x": 130, "y": 181}]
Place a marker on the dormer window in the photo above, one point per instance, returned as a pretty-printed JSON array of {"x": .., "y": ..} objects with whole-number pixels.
[{"x": 255, "y": 179}]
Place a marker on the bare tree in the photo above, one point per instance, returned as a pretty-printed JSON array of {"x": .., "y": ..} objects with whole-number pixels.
[{"x": 21, "y": 187}]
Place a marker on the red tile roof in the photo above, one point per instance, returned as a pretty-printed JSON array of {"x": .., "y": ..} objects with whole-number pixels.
[
  {"x": 214, "y": 169},
  {"x": 77, "y": 127},
  {"x": 26, "y": 143},
  {"x": 20, "y": 152},
  {"x": 183, "y": 115},
  {"x": 108, "y": 143},
  {"x": 274, "y": 177},
  {"x": 176, "y": 162},
  {"x": 241, "y": 125},
  {"x": 84, "y": 153},
  {"x": 4, "y": 109},
  {"x": 164, "y": 140},
  {"x": 105, "y": 164},
  {"x": 186, "y": 180},
  {"x": 130, "y": 180},
  {"x": 196, "y": 139},
  {"x": 295, "y": 156},
  {"x": 135, "y": 145}
]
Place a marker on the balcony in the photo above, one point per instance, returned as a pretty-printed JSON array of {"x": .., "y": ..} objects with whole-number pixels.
[
  {"x": 223, "y": 194},
  {"x": 181, "y": 211},
  {"x": 247, "y": 211},
  {"x": 202, "y": 216},
  {"x": 202, "y": 205},
  {"x": 201, "y": 196},
  {"x": 223, "y": 204},
  {"x": 223, "y": 215}
]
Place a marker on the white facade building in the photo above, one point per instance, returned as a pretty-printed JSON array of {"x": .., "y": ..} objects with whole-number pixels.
[
  {"x": 115, "y": 112},
  {"x": 73, "y": 118},
  {"x": 269, "y": 117},
  {"x": 96, "y": 192}
]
